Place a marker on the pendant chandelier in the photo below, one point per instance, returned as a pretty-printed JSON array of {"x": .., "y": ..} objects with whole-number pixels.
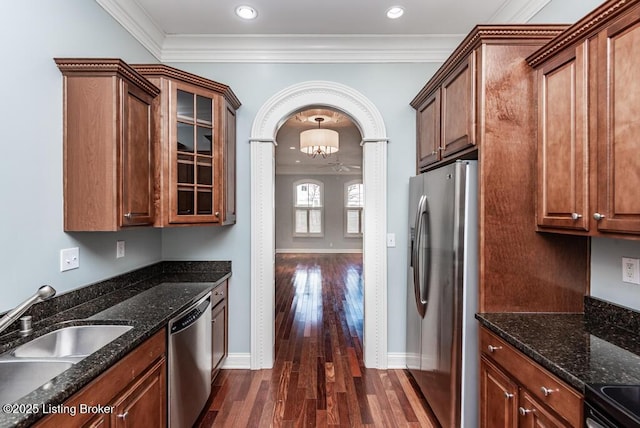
[{"x": 319, "y": 141}]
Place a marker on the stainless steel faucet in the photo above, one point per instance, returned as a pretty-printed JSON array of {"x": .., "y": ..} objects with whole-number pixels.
[{"x": 43, "y": 293}]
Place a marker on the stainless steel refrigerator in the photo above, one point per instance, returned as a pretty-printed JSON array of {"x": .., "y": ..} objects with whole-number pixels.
[{"x": 442, "y": 291}]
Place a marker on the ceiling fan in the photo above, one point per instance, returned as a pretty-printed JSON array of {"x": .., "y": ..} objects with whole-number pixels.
[{"x": 338, "y": 166}]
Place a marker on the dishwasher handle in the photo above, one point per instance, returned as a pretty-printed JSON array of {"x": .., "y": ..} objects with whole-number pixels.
[{"x": 192, "y": 315}]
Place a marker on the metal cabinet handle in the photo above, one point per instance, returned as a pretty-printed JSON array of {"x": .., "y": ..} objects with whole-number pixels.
[
  {"x": 598, "y": 216},
  {"x": 508, "y": 395},
  {"x": 128, "y": 215},
  {"x": 434, "y": 152},
  {"x": 217, "y": 213},
  {"x": 492, "y": 348},
  {"x": 524, "y": 412},
  {"x": 576, "y": 216},
  {"x": 123, "y": 415},
  {"x": 547, "y": 391}
]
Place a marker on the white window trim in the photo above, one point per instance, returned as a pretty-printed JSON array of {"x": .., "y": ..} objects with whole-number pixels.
[
  {"x": 297, "y": 207},
  {"x": 348, "y": 208}
]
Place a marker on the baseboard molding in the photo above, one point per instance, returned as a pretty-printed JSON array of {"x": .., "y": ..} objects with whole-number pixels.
[
  {"x": 396, "y": 360},
  {"x": 237, "y": 361},
  {"x": 242, "y": 361},
  {"x": 319, "y": 250}
]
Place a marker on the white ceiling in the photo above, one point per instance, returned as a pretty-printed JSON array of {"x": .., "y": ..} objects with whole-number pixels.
[{"x": 310, "y": 31}]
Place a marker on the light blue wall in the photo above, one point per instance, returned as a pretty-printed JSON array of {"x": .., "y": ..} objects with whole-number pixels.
[{"x": 32, "y": 33}]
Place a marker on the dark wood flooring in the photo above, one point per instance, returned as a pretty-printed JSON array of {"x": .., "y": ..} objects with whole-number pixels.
[{"x": 318, "y": 378}]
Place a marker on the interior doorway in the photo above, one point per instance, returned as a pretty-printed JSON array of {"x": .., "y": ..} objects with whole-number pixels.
[{"x": 263, "y": 140}]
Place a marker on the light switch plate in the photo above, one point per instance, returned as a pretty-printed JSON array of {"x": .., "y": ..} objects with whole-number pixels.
[
  {"x": 391, "y": 240},
  {"x": 69, "y": 259}
]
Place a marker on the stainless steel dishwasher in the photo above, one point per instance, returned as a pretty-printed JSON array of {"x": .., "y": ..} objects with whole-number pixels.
[{"x": 189, "y": 363}]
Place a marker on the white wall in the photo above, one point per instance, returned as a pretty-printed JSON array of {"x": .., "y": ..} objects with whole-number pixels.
[
  {"x": 333, "y": 238},
  {"x": 33, "y": 33}
]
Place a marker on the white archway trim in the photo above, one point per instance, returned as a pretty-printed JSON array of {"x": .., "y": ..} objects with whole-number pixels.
[{"x": 374, "y": 173}]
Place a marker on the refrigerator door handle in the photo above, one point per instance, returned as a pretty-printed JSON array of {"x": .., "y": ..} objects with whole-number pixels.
[
  {"x": 425, "y": 231},
  {"x": 417, "y": 257}
]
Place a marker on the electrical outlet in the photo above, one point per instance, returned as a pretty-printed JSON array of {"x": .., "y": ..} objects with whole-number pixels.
[
  {"x": 69, "y": 259},
  {"x": 631, "y": 270},
  {"x": 119, "y": 249}
]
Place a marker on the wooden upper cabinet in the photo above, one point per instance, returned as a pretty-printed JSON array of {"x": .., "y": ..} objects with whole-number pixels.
[
  {"x": 563, "y": 191},
  {"x": 428, "y": 130},
  {"x": 589, "y": 167},
  {"x": 619, "y": 126},
  {"x": 195, "y": 148},
  {"x": 459, "y": 108},
  {"x": 108, "y": 145}
]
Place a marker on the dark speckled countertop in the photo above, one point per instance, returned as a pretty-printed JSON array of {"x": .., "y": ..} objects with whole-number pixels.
[
  {"x": 578, "y": 348},
  {"x": 147, "y": 304}
]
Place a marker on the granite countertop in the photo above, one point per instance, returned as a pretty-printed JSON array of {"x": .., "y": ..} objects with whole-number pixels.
[
  {"x": 576, "y": 348},
  {"x": 146, "y": 305}
]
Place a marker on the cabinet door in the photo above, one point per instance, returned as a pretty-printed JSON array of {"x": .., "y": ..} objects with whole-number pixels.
[
  {"x": 194, "y": 146},
  {"x": 563, "y": 142},
  {"x": 144, "y": 403},
  {"x": 218, "y": 336},
  {"x": 459, "y": 108},
  {"x": 619, "y": 127},
  {"x": 428, "y": 130},
  {"x": 136, "y": 207},
  {"x": 229, "y": 160},
  {"x": 534, "y": 415},
  {"x": 498, "y": 397}
]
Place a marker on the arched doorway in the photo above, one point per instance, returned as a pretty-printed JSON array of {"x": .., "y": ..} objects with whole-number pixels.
[{"x": 374, "y": 173}]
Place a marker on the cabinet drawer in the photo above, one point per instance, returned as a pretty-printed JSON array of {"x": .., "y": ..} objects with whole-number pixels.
[
  {"x": 547, "y": 388},
  {"x": 218, "y": 294}
]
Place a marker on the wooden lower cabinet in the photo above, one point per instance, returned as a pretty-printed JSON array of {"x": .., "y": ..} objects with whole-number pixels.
[
  {"x": 219, "y": 328},
  {"x": 517, "y": 392},
  {"x": 133, "y": 393},
  {"x": 499, "y": 405}
]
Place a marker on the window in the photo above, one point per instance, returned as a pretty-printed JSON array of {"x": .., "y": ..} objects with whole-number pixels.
[
  {"x": 354, "y": 202},
  {"x": 307, "y": 200}
]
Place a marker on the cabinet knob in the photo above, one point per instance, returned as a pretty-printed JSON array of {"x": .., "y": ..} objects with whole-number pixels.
[
  {"x": 547, "y": 391},
  {"x": 576, "y": 216},
  {"x": 524, "y": 412},
  {"x": 433, "y": 153},
  {"x": 598, "y": 216},
  {"x": 492, "y": 348},
  {"x": 123, "y": 415},
  {"x": 508, "y": 395},
  {"x": 127, "y": 216},
  {"x": 217, "y": 213}
]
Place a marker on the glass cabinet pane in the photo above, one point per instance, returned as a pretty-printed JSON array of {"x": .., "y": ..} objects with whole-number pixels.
[
  {"x": 204, "y": 110},
  {"x": 204, "y": 140},
  {"x": 186, "y": 201},
  {"x": 205, "y": 173},
  {"x": 185, "y": 138},
  {"x": 185, "y": 105},
  {"x": 205, "y": 201}
]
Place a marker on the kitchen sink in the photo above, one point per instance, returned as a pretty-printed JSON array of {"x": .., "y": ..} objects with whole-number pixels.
[
  {"x": 70, "y": 342},
  {"x": 20, "y": 377}
]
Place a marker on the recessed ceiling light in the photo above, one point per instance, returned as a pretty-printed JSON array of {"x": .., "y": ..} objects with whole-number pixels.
[
  {"x": 246, "y": 12},
  {"x": 297, "y": 161},
  {"x": 292, "y": 148},
  {"x": 395, "y": 12}
]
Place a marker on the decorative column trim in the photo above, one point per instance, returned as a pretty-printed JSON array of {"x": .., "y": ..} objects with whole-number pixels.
[{"x": 369, "y": 121}]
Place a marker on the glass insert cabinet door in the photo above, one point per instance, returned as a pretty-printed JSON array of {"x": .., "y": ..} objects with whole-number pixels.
[{"x": 194, "y": 192}]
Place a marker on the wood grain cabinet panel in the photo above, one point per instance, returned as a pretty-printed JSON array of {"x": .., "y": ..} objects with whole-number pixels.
[
  {"x": 428, "y": 130},
  {"x": 499, "y": 404},
  {"x": 108, "y": 145},
  {"x": 589, "y": 90},
  {"x": 540, "y": 398},
  {"x": 195, "y": 148},
  {"x": 459, "y": 108}
]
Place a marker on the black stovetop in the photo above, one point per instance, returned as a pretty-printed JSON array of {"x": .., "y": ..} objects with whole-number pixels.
[{"x": 621, "y": 403}]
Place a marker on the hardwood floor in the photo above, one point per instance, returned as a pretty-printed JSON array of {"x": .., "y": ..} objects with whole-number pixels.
[{"x": 318, "y": 378}]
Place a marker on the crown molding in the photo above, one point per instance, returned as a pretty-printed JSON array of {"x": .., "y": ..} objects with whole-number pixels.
[
  {"x": 518, "y": 11},
  {"x": 299, "y": 48},
  {"x": 309, "y": 48},
  {"x": 136, "y": 21}
]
